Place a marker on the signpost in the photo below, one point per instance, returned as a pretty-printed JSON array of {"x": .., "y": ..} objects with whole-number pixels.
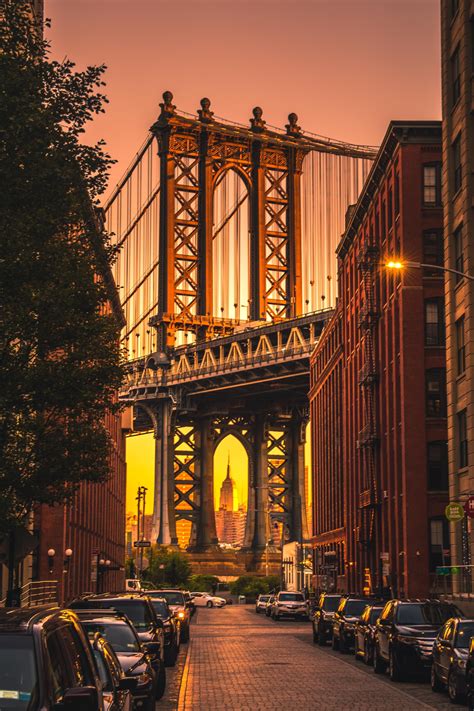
[
  {"x": 455, "y": 511},
  {"x": 142, "y": 544}
]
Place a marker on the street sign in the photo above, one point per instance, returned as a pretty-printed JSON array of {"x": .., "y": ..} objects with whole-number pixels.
[
  {"x": 455, "y": 512},
  {"x": 442, "y": 570},
  {"x": 142, "y": 544},
  {"x": 469, "y": 507}
]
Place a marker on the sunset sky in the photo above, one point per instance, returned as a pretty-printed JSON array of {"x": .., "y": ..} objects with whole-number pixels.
[{"x": 346, "y": 67}]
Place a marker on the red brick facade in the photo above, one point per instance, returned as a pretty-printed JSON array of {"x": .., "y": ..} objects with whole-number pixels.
[
  {"x": 392, "y": 396},
  {"x": 92, "y": 526}
]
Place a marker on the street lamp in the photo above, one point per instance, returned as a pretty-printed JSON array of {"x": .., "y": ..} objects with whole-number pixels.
[
  {"x": 51, "y": 554},
  {"x": 398, "y": 265},
  {"x": 67, "y": 559}
]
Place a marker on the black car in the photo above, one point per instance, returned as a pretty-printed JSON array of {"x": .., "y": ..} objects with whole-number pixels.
[
  {"x": 119, "y": 632},
  {"x": 116, "y": 687},
  {"x": 171, "y": 628},
  {"x": 322, "y": 617},
  {"x": 46, "y": 662},
  {"x": 450, "y": 655},
  {"x": 348, "y": 612},
  {"x": 141, "y": 614},
  {"x": 180, "y": 605},
  {"x": 470, "y": 676},
  {"x": 405, "y": 633},
  {"x": 365, "y": 632}
]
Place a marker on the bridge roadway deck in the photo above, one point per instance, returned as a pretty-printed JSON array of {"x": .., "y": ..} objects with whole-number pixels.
[{"x": 240, "y": 661}]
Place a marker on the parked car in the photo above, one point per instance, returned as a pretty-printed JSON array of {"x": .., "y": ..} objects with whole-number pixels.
[
  {"x": 346, "y": 616},
  {"x": 364, "y": 635},
  {"x": 470, "y": 676},
  {"x": 450, "y": 654},
  {"x": 181, "y": 608},
  {"x": 140, "y": 612},
  {"x": 289, "y": 604},
  {"x": 261, "y": 603},
  {"x": 116, "y": 628},
  {"x": 269, "y": 606},
  {"x": 46, "y": 662},
  {"x": 405, "y": 633},
  {"x": 171, "y": 626},
  {"x": 204, "y": 599},
  {"x": 322, "y": 617},
  {"x": 116, "y": 687},
  {"x": 189, "y": 602}
]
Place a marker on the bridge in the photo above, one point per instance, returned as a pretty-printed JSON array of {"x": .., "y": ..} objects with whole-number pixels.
[{"x": 227, "y": 236}]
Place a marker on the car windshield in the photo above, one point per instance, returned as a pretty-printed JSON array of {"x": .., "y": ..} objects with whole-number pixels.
[
  {"x": 375, "y": 614},
  {"x": 354, "y": 608},
  {"x": 465, "y": 632},
  {"x": 173, "y": 598},
  {"x": 425, "y": 614},
  {"x": 18, "y": 679},
  {"x": 118, "y": 635},
  {"x": 291, "y": 597},
  {"x": 161, "y": 608},
  {"x": 330, "y": 604},
  {"x": 137, "y": 612},
  {"x": 264, "y": 598}
]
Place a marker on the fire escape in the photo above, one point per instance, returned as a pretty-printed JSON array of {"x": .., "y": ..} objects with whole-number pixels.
[{"x": 368, "y": 436}]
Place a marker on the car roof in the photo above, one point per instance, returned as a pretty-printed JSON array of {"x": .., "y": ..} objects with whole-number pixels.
[
  {"x": 22, "y": 620},
  {"x": 98, "y": 615},
  {"x": 174, "y": 590}
]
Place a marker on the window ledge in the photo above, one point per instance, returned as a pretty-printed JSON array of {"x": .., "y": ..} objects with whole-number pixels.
[
  {"x": 463, "y": 470},
  {"x": 461, "y": 377}
]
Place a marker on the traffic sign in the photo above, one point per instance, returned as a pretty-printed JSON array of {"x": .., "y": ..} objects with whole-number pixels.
[
  {"x": 142, "y": 544},
  {"x": 454, "y": 511},
  {"x": 469, "y": 507}
]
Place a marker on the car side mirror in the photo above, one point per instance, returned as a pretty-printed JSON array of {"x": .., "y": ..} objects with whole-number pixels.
[
  {"x": 153, "y": 648},
  {"x": 81, "y": 698},
  {"x": 159, "y": 623},
  {"x": 128, "y": 683}
]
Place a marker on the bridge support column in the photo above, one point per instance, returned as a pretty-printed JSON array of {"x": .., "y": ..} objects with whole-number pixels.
[
  {"x": 259, "y": 488},
  {"x": 207, "y": 534},
  {"x": 164, "y": 524},
  {"x": 297, "y": 441}
]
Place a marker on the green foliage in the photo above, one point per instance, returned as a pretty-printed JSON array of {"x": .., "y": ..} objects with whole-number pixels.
[
  {"x": 60, "y": 360},
  {"x": 167, "y": 567},
  {"x": 130, "y": 568},
  {"x": 253, "y": 585},
  {"x": 203, "y": 583}
]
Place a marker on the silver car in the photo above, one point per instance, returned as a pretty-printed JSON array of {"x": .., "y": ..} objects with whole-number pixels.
[
  {"x": 261, "y": 603},
  {"x": 290, "y": 604}
]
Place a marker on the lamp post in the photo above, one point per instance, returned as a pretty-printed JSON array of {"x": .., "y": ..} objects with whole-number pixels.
[
  {"x": 51, "y": 554},
  {"x": 398, "y": 265}
]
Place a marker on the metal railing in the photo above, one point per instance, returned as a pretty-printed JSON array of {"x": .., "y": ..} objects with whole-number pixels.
[{"x": 39, "y": 592}]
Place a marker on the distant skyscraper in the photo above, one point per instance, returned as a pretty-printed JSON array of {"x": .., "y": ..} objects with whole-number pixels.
[
  {"x": 230, "y": 523},
  {"x": 226, "y": 500}
]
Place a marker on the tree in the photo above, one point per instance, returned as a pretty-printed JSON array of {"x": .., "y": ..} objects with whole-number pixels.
[
  {"x": 167, "y": 567},
  {"x": 203, "y": 583},
  {"x": 60, "y": 359},
  {"x": 253, "y": 585}
]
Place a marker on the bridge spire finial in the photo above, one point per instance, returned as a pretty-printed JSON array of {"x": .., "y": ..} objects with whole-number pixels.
[
  {"x": 292, "y": 127},
  {"x": 204, "y": 113},
  {"x": 167, "y": 107},
  {"x": 257, "y": 124}
]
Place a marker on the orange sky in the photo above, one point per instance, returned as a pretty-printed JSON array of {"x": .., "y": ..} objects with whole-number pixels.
[{"x": 347, "y": 67}]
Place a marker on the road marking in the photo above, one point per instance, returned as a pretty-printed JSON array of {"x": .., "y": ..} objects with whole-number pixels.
[{"x": 184, "y": 680}]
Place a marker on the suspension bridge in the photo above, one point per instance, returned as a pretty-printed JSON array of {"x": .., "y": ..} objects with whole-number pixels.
[{"x": 227, "y": 237}]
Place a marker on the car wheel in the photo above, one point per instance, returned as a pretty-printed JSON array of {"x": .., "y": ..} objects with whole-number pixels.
[
  {"x": 161, "y": 685},
  {"x": 436, "y": 684},
  {"x": 379, "y": 664},
  {"x": 335, "y": 643},
  {"x": 315, "y": 635},
  {"x": 257, "y": 610},
  {"x": 470, "y": 701},
  {"x": 367, "y": 655},
  {"x": 171, "y": 654},
  {"x": 185, "y": 633},
  {"x": 276, "y": 617},
  {"x": 321, "y": 638},
  {"x": 453, "y": 693},
  {"x": 394, "y": 670},
  {"x": 209, "y": 603}
]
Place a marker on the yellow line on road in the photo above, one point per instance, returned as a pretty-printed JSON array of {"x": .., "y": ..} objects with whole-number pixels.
[{"x": 184, "y": 680}]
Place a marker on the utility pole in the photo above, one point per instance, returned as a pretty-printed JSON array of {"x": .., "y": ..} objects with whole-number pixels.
[
  {"x": 139, "y": 501},
  {"x": 144, "y": 490}
]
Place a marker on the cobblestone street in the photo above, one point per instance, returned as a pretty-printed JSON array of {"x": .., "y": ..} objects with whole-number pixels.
[{"x": 241, "y": 661}]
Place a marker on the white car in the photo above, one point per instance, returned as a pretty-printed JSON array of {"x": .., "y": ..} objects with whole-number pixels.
[{"x": 203, "y": 599}]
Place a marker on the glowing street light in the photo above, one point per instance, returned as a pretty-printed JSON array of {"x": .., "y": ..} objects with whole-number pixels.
[{"x": 397, "y": 265}]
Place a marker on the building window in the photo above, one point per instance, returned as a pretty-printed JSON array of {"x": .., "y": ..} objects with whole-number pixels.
[
  {"x": 397, "y": 195},
  {"x": 455, "y": 77},
  {"x": 384, "y": 221},
  {"x": 437, "y": 465},
  {"x": 454, "y": 7},
  {"x": 433, "y": 249},
  {"x": 436, "y": 392},
  {"x": 439, "y": 543},
  {"x": 460, "y": 345},
  {"x": 434, "y": 322},
  {"x": 458, "y": 253},
  {"x": 390, "y": 208},
  {"x": 462, "y": 439},
  {"x": 432, "y": 185},
  {"x": 457, "y": 166}
]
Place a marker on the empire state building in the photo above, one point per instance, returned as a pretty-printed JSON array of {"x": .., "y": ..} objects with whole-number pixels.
[{"x": 230, "y": 523}]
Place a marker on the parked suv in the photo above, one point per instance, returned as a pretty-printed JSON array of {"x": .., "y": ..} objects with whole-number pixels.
[
  {"x": 171, "y": 628},
  {"x": 450, "y": 656},
  {"x": 405, "y": 633},
  {"x": 323, "y": 617},
  {"x": 289, "y": 604},
  {"x": 119, "y": 632},
  {"x": 46, "y": 662},
  {"x": 181, "y": 608},
  {"x": 141, "y": 614},
  {"x": 345, "y": 618},
  {"x": 261, "y": 603},
  {"x": 365, "y": 632}
]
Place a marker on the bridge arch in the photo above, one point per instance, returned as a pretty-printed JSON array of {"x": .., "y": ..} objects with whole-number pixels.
[{"x": 231, "y": 489}]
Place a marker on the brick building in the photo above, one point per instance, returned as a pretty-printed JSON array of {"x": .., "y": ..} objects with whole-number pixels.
[
  {"x": 387, "y": 338},
  {"x": 457, "y": 55}
]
